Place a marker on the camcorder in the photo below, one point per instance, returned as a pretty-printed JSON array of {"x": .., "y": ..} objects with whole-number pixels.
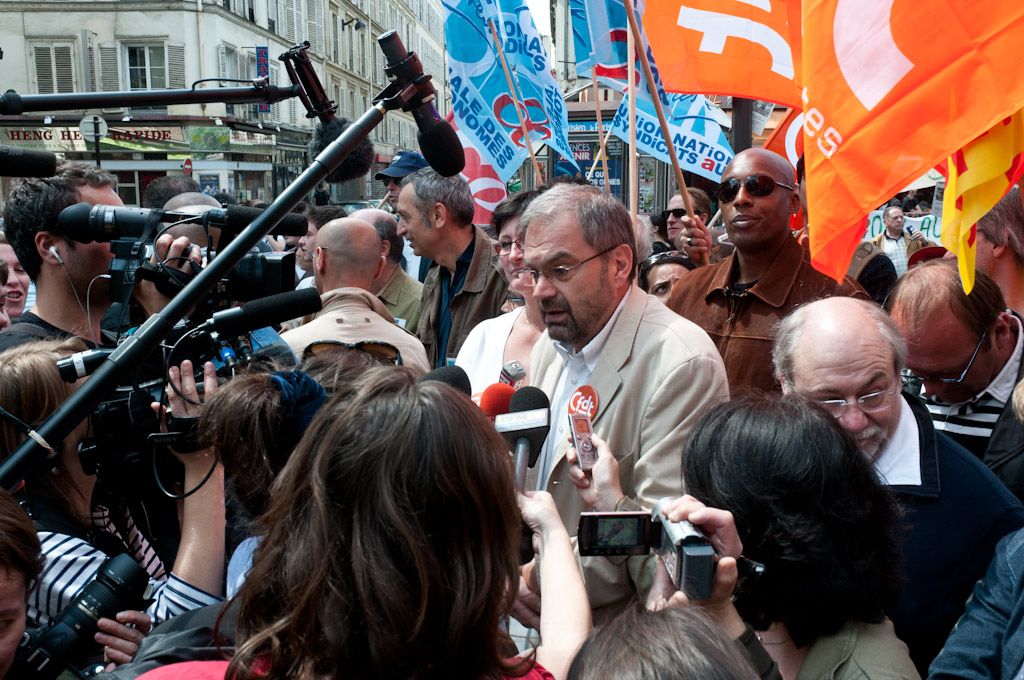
[
  {"x": 44, "y": 653},
  {"x": 687, "y": 553}
]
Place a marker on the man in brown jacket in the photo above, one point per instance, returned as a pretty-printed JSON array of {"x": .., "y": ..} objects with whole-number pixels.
[
  {"x": 739, "y": 300},
  {"x": 465, "y": 284}
]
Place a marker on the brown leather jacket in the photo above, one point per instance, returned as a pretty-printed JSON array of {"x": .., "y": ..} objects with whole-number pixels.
[
  {"x": 480, "y": 297},
  {"x": 742, "y": 325}
]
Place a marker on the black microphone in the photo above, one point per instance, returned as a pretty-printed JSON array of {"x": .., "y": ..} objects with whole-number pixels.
[
  {"x": 357, "y": 164},
  {"x": 81, "y": 364},
  {"x": 526, "y": 424},
  {"x": 235, "y": 218},
  {"x": 453, "y": 376},
  {"x": 18, "y": 162},
  {"x": 439, "y": 143},
  {"x": 263, "y": 312}
]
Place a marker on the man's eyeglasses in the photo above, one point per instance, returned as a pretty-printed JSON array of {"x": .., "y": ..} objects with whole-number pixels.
[
  {"x": 505, "y": 247},
  {"x": 678, "y": 213},
  {"x": 560, "y": 273},
  {"x": 756, "y": 185},
  {"x": 954, "y": 381},
  {"x": 874, "y": 401},
  {"x": 381, "y": 351},
  {"x": 389, "y": 180}
]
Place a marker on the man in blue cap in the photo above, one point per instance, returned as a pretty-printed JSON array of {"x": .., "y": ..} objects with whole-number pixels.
[{"x": 405, "y": 163}]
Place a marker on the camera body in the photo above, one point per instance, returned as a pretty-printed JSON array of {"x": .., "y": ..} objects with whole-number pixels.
[
  {"x": 44, "y": 653},
  {"x": 687, "y": 553}
]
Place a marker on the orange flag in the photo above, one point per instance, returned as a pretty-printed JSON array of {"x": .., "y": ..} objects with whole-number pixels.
[
  {"x": 787, "y": 139},
  {"x": 892, "y": 88},
  {"x": 743, "y": 48},
  {"x": 978, "y": 176}
]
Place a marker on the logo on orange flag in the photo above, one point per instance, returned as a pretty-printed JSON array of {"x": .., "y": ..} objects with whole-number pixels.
[
  {"x": 743, "y": 48},
  {"x": 882, "y": 103},
  {"x": 978, "y": 176}
]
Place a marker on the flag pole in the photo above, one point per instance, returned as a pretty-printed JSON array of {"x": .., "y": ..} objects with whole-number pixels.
[
  {"x": 634, "y": 32},
  {"x": 593, "y": 167},
  {"x": 634, "y": 190},
  {"x": 515, "y": 98},
  {"x": 602, "y": 137}
]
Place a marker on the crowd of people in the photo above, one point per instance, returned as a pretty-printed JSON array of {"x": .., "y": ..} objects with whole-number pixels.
[{"x": 340, "y": 507}]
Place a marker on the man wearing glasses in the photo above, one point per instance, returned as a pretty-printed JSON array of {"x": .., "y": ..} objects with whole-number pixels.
[
  {"x": 739, "y": 300},
  {"x": 847, "y": 356},
  {"x": 653, "y": 372},
  {"x": 967, "y": 353},
  {"x": 898, "y": 243}
]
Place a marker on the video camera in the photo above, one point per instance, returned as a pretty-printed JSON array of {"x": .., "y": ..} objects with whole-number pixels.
[
  {"x": 687, "y": 553},
  {"x": 44, "y": 653}
]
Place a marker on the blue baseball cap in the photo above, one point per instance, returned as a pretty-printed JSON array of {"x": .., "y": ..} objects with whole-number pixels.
[{"x": 404, "y": 163}]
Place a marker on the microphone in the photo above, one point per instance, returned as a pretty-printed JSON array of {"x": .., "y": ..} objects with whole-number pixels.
[
  {"x": 439, "y": 143},
  {"x": 18, "y": 162},
  {"x": 85, "y": 223},
  {"x": 513, "y": 373},
  {"x": 495, "y": 399},
  {"x": 263, "y": 312},
  {"x": 357, "y": 164},
  {"x": 526, "y": 424},
  {"x": 81, "y": 364},
  {"x": 453, "y": 376}
]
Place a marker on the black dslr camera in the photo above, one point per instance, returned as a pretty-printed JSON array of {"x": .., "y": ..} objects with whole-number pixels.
[
  {"x": 44, "y": 653},
  {"x": 687, "y": 554}
]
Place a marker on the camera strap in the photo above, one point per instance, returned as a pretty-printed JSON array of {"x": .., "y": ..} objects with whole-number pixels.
[{"x": 47, "y": 515}]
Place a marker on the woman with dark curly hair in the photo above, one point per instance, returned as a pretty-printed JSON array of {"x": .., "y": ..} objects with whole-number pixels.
[{"x": 808, "y": 506}]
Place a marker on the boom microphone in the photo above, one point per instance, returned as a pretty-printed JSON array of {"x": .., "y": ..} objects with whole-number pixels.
[
  {"x": 264, "y": 312},
  {"x": 356, "y": 164},
  {"x": 238, "y": 217},
  {"x": 18, "y": 162},
  {"x": 439, "y": 143}
]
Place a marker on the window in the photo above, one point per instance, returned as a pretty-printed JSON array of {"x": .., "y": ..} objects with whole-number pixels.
[
  {"x": 147, "y": 67},
  {"x": 272, "y": 15},
  {"x": 54, "y": 67}
]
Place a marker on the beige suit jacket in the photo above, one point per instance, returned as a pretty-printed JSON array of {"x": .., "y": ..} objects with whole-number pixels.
[{"x": 655, "y": 377}]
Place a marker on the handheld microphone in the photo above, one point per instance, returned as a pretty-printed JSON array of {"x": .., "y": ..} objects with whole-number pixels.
[
  {"x": 438, "y": 142},
  {"x": 357, "y": 164},
  {"x": 81, "y": 364},
  {"x": 495, "y": 399},
  {"x": 453, "y": 376},
  {"x": 513, "y": 373},
  {"x": 263, "y": 312},
  {"x": 18, "y": 162},
  {"x": 526, "y": 424}
]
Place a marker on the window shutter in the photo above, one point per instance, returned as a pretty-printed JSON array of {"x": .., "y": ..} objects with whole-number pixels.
[
  {"x": 290, "y": 27},
  {"x": 238, "y": 7},
  {"x": 44, "y": 69},
  {"x": 176, "y": 66},
  {"x": 275, "y": 108},
  {"x": 110, "y": 77},
  {"x": 222, "y": 60},
  {"x": 243, "y": 66},
  {"x": 315, "y": 25},
  {"x": 63, "y": 70}
]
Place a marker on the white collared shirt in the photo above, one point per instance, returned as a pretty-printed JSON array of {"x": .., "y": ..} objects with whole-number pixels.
[
  {"x": 900, "y": 462},
  {"x": 577, "y": 368}
]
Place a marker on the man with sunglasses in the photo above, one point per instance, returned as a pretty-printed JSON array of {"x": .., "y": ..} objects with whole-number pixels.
[
  {"x": 847, "y": 355},
  {"x": 653, "y": 373},
  {"x": 739, "y": 300},
  {"x": 967, "y": 352},
  {"x": 347, "y": 259}
]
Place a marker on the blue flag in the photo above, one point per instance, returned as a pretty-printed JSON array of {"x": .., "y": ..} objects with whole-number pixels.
[{"x": 699, "y": 142}]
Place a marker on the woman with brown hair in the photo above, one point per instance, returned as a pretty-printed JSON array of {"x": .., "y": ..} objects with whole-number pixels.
[{"x": 390, "y": 549}]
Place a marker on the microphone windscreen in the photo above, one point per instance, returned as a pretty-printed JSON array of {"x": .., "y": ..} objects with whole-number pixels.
[
  {"x": 18, "y": 162},
  {"x": 441, "y": 147},
  {"x": 356, "y": 164},
  {"x": 240, "y": 216},
  {"x": 527, "y": 399},
  {"x": 453, "y": 376},
  {"x": 495, "y": 399},
  {"x": 271, "y": 310}
]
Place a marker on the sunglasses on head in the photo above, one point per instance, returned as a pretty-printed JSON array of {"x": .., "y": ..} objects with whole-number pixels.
[
  {"x": 381, "y": 351},
  {"x": 678, "y": 213},
  {"x": 756, "y": 185}
]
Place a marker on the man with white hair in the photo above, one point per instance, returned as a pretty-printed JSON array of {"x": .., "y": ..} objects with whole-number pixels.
[{"x": 846, "y": 355}]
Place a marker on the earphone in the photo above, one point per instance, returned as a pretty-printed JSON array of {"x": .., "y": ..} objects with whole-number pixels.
[{"x": 53, "y": 251}]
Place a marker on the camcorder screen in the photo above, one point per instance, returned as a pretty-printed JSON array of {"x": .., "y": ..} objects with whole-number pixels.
[{"x": 619, "y": 533}]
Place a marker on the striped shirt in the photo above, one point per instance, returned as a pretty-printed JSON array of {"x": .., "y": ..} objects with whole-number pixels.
[
  {"x": 971, "y": 423},
  {"x": 72, "y": 563}
]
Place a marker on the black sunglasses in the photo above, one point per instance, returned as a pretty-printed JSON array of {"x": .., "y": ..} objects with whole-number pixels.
[
  {"x": 678, "y": 213},
  {"x": 756, "y": 185}
]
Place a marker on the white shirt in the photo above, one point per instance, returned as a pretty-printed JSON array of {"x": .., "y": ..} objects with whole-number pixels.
[
  {"x": 482, "y": 353},
  {"x": 577, "y": 368},
  {"x": 900, "y": 462}
]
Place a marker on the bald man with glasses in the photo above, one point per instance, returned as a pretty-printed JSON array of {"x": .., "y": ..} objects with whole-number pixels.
[
  {"x": 847, "y": 356},
  {"x": 739, "y": 300}
]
